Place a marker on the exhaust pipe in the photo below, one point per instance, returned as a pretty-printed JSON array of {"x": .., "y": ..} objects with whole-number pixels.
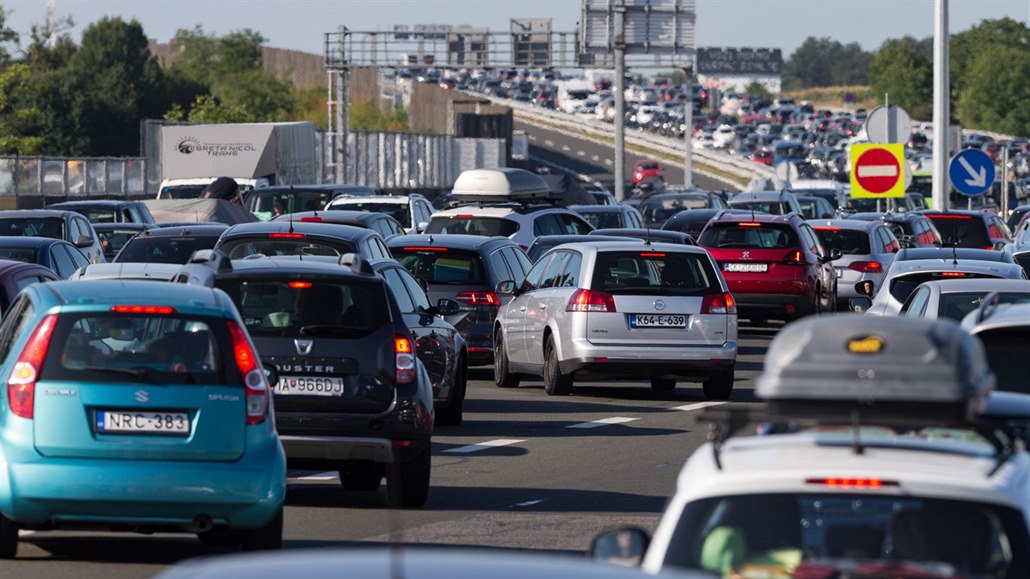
[{"x": 201, "y": 524}]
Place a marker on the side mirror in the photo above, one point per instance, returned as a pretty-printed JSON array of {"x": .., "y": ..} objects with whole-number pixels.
[
  {"x": 859, "y": 305},
  {"x": 271, "y": 374},
  {"x": 999, "y": 245},
  {"x": 421, "y": 226},
  {"x": 865, "y": 288},
  {"x": 624, "y": 547},
  {"x": 83, "y": 241},
  {"x": 835, "y": 254},
  {"x": 446, "y": 307},
  {"x": 506, "y": 288}
]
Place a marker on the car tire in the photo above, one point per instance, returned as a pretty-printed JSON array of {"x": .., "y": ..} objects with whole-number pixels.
[
  {"x": 407, "y": 484},
  {"x": 361, "y": 477},
  {"x": 503, "y": 377},
  {"x": 453, "y": 413},
  {"x": 8, "y": 538},
  {"x": 267, "y": 538},
  {"x": 220, "y": 538},
  {"x": 718, "y": 387},
  {"x": 555, "y": 383},
  {"x": 663, "y": 384}
]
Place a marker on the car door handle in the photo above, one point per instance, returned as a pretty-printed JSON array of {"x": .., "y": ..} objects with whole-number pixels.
[
  {"x": 522, "y": 308},
  {"x": 542, "y": 306}
]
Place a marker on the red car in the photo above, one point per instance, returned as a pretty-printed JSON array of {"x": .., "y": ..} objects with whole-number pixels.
[
  {"x": 645, "y": 169},
  {"x": 762, "y": 156},
  {"x": 774, "y": 265}
]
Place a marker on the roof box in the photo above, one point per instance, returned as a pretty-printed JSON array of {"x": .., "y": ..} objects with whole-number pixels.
[
  {"x": 505, "y": 184},
  {"x": 896, "y": 370}
]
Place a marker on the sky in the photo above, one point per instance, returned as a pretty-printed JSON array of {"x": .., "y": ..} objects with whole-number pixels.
[{"x": 301, "y": 24}]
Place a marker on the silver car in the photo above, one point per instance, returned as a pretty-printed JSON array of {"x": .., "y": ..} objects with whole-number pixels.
[
  {"x": 619, "y": 310},
  {"x": 868, "y": 248},
  {"x": 956, "y": 298},
  {"x": 904, "y": 276},
  {"x": 1004, "y": 329}
]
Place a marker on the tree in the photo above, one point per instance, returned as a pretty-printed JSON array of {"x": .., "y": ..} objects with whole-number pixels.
[
  {"x": 966, "y": 47},
  {"x": 756, "y": 89},
  {"x": 849, "y": 65},
  {"x": 19, "y": 125},
  {"x": 900, "y": 71},
  {"x": 995, "y": 91},
  {"x": 7, "y": 37},
  {"x": 808, "y": 66}
]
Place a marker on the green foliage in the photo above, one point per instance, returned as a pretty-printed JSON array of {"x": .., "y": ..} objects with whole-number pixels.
[
  {"x": 967, "y": 46},
  {"x": 757, "y": 89},
  {"x": 826, "y": 62},
  {"x": 366, "y": 116},
  {"x": 996, "y": 91},
  {"x": 18, "y": 124},
  {"x": 7, "y": 37},
  {"x": 905, "y": 74}
]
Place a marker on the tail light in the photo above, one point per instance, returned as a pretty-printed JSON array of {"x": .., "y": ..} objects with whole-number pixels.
[
  {"x": 866, "y": 266},
  {"x": 251, "y": 373},
  {"x": 478, "y": 298},
  {"x": 404, "y": 372},
  {"x": 585, "y": 300},
  {"x": 718, "y": 304},
  {"x": 311, "y": 219},
  {"x": 162, "y": 310},
  {"x": 286, "y": 236},
  {"x": 21, "y": 384},
  {"x": 795, "y": 257},
  {"x": 852, "y": 483}
]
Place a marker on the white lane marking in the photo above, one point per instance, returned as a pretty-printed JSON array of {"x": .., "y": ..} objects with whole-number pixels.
[
  {"x": 565, "y": 148},
  {"x": 532, "y": 137},
  {"x": 603, "y": 422},
  {"x": 608, "y": 162},
  {"x": 24, "y": 532},
  {"x": 595, "y": 157},
  {"x": 328, "y": 475},
  {"x": 485, "y": 445},
  {"x": 549, "y": 143},
  {"x": 528, "y": 503},
  {"x": 581, "y": 153},
  {"x": 697, "y": 406},
  {"x": 878, "y": 171}
]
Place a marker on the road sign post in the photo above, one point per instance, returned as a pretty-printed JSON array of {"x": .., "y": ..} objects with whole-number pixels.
[
  {"x": 877, "y": 171},
  {"x": 971, "y": 172}
]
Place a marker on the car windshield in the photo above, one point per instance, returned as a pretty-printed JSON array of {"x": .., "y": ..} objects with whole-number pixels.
[
  {"x": 335, "y": 308},
  {"x": 53, "y": 228},
  {"x": 857, "y": 535},
  {"x": 113, "y": 240},
  {"x": 472, "y": 225},
  {"x": 163, "y": 249},
  {"x": 1006, "y": 355},
  {"x": 848, "y": 241},
  {"x": 23, "y": 254},
  {"x": 654, "y": 273},
  {"x": 660, "y": 210},
  {"x": 399, "y": 211},
  {"x": 157, "y": 349},
  {"x": 442, "y": 265},
  {"x": 902, "y": 286},
  {"x": 266, "y": 205},
  {"x": 963, "y": 230},
  {"x": 603, "y": 219},
  {"x": 741, "y": 236}
]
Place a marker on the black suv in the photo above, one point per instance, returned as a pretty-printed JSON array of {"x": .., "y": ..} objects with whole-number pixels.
[
  {"x": 465, "y": 268},
  {"x": 301, "y": 238},
  {"x": 981, "y": 229},
  {"x": 351, "y": 394},
  {"x": 168, "y": 244},
  {"x": 108, "y": 210}
]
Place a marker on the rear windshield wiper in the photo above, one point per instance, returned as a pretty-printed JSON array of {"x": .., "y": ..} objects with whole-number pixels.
[
  {"x": 322, "y": 329},
  {"x": 139, "y": 373}
]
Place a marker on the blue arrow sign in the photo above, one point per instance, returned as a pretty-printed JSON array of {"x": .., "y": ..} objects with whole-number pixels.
[{"x": 971, "y": 172}]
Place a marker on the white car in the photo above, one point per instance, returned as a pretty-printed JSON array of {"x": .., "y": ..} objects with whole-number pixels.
[
  {"x": 411, "y": 211},
  {"x": 723, "y": 136}
]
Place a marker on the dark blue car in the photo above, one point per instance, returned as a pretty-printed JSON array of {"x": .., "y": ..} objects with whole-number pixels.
[{"x": 59, "y": 256}]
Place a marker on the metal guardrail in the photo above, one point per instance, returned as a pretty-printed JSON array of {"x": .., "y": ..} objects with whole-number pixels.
[{"x": 64, "y": 177}]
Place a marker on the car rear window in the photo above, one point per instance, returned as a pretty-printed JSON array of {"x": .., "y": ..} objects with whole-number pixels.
[
  {"x": 654, "y": 273},
  {"x": 443, "y": 265},
  {"x": 99, "y": 215},
  {"x": 902, "y": 286},
  {"x": 660, "y": 210},
  {"x": 848, "y": 241},
  {"x": 53, "y": 228},
  {"x": 268, "y": 204},
  {"x": 1006, "y": 355},
  {"x": 399, "y": 211},
  {"x": 240, "y": 247},
  {"x": 182, "y": 191},
  {"x": 163, "y": 249},
  {"x": 472, "y": 225},
  {"x": 114, "y": 240},
  {"x": 155, "y": 349},
  {"x": 22, "y": 254},
  {"x": 747, "y": 236},
  {"x": 966, "y": 231},
  {"x": 308, "y": 307},
  {"x": 603, "y": 219},
  {"x": 955, "y": 305}
]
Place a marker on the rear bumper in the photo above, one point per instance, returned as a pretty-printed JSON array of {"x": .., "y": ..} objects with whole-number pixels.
[
  {"x": 773, "y": 306},
  {"x": 689, "y": 362},
  {"x": 56, "y": 492}
]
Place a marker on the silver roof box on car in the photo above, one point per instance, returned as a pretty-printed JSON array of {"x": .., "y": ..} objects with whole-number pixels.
[
  {"x": 504, "y": 184},
  {"x": 859, "y": 369}
]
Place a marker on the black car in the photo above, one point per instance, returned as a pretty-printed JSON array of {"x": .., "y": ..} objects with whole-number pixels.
[
  {"x": 114, "y": 236},
  {"x": 381, "y": 223},
  {"x": 981, "y": 229},
  {"x": 108, "y": 210},
  {"x": 693, "y": 221},
  {"x": 16, "y": 276},
  {"x": 169, "y": 244},
  {"x": 911, "y": 229},
  {"x": 301, "y": 238},
  {"x": 653, "y": 235},
  {"x": 270, "y": 202},
  {"x": 466, "y": 269},
  {"x": 438, "y": 345},
  {"x": 56, "y": 255},
  {"x": 609, "y": 216},
  {"x": 54, "y": 223},
  {"x": 351, "y": 394},
  {"x": 657, "y": 209}
]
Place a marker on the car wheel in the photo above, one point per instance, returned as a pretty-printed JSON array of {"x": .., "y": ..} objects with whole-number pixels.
[
  {"x": 663, "y": 384},
  {"x": 267, "y": 538},
  {"x": 220, "y": 537},
  {"x": 361, "y": 476},
  {"x": 718, "y": 387},
  {"x": 555, "y": 383},
  {"x": 453, "y": 413},
  {"x": 8, "y": 538},
  {"x": 407, "y": 485},
  {"x": 817, "y": 303},
  {"x": 502, "y": 376}
]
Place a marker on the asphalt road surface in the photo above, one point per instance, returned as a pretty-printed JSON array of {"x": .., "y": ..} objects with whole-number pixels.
[{"x": 525, "y": 471}]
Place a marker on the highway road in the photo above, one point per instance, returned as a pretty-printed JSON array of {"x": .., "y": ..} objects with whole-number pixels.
[{"x": 525, "y": 471}]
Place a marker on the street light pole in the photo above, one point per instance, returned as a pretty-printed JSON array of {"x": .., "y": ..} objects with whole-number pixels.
[{"x": 688, "y": 132}]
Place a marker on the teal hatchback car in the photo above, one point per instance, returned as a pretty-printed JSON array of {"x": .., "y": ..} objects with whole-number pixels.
[{"x": 136, "y": 406}]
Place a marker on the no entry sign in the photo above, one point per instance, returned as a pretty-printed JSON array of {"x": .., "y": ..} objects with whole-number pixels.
[{"x": 877, "y": 171}]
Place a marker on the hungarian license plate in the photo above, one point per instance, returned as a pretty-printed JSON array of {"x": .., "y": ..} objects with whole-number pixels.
[
  {"x": 747, "y": 267},
  {"x": 657, "y": 321},
  {"x": 143, "y": 422},
  {"x": 310, "y": 386}
]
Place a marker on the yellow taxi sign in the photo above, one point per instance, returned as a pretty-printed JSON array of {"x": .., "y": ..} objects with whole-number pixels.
[
  {"x": 877, "y": 171},
  {"x": 866, "y": 345}
]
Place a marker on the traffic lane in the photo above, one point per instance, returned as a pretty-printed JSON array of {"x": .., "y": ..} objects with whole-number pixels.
[
  {"x": 552, "y": 490},
  {"x": 585, "y": 157}
]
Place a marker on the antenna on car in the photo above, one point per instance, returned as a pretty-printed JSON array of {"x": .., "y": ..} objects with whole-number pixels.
[
  {"x": 954, "y": 253},
  {"x": 647, "y": 234},
  {"x": 290, "y": 230}
]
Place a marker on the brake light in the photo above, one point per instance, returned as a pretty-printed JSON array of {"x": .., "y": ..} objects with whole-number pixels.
[
  {"x": 952, "y": 274},
  {"x": 827, "y": 228},
  {"x": 718, "y": 304},
  {"x": 749, "y": 224},
  {"x": 585, "y": 300},
  {"x": 300, "y": 284},
  {"x": 852, "y": 483},
  {"x": 945, "y": 216},
  {"x": 21, "y": 384},
  {"x": 425, "y": 249},
  {"x": 464, "y": 216},
  {"x": 866, "y": 266},
  {"x": 251, "y": 373},
  {"x": 314, "y": 219},
  {"x": 404, "y": 370},
  {"x": 991, "y": 247},
  {"x": 652, "y": 255},
  {"x": 163, "y": 310},
  {"x": 478, "y": 298},
  {"x": 286, "y": 235},
  {"x": 795, "y": 257}
]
